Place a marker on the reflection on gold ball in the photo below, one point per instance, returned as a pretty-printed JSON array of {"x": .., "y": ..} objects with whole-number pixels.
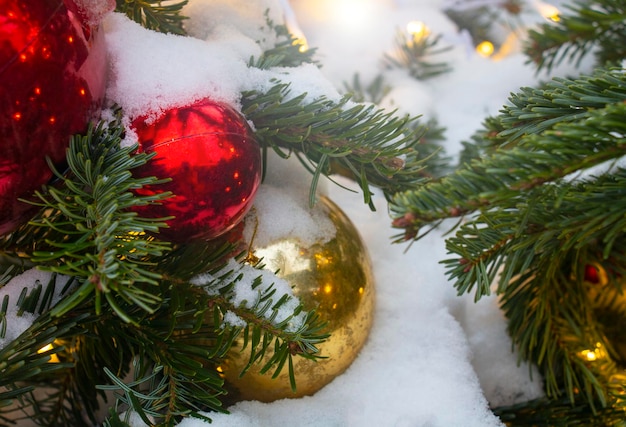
[{"x": 336, "y": 279}]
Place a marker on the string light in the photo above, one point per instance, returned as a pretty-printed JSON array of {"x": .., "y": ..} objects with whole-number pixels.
[
  {"x": 485, "y": 49},
  {"x": 302, "y": 44},
  {"x": 417, "y": 29},
  {"x": 548, "y": 11},
  {"x": 53, "y": 357},
  {"x": 591, "y": 355}
]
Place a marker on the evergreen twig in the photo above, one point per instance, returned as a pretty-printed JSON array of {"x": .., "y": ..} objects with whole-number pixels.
[
  {"x": 373, "y": 147},
  {"x": 532, "y": 222},
  {"x": 94, "y": 207},
  {"x": 415, "y": 53},
  {"x": 287, "y": 51},
  {"x": 590, "y": 26},
  {"x": 158, "y": 15}
]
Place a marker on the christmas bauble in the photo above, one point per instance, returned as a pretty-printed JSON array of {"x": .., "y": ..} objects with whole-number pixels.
[
  {"x": 53, "y": 70},
  {"x": 336, "y": 279},
  {"x": 209, "y": 152}
]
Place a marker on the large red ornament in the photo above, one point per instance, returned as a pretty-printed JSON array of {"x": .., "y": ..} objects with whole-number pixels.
[
  {"x": 209, "y": 152},
  {"x": 52, "y": 80}
]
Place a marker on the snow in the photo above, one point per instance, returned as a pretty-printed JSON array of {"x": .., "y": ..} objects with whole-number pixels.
[
  {"x": 433, "y": 359},
  {"x": 245, "y": 295},
  {"x": 16, "y": 321}
]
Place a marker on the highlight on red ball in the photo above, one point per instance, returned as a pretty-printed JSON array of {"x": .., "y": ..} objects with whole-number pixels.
[{"x": 214, "y": 162}]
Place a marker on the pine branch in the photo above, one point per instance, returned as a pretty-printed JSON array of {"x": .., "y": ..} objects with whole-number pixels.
[
  {"x": 596, "y": 26},
  {"x": 287, "y": 51},
  {"x": 27, "y": 359},
  {"x": 154, "y": 14},
  {"x": 93, "y": 234},
  {"x": 270, "y": 323},
  {"x": 541, "y": 141},
  {"x": 561, "y": 412},
  {"x": 531, "y": 223},
  {"x": 374, "y": 92},
  {"x": 376, "y": 148},
  {"x": 415, "y": 53},
  {"x": 479, "y": 18}
]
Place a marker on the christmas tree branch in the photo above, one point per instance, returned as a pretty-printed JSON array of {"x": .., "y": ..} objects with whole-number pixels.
[
  {"x": 373, "y": 147},
  {"x": 27, "y": 359},
  {"x": 561, "y": 412},
  {"x": 108, "y": 244},
  {"x": 154, "y": 14},
  {"x": 596, "y": 26},
  {"x": 543, "y": 137},
  {"x": 269, "y": 323},
  {"x": 413, "y": 53},
  {"x": 533, "y": 219},
  {"x": 287, "y": 51}
]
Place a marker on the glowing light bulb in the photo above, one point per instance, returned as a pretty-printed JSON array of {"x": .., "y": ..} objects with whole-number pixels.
[
  {"x": 417, "y": 29},
  {"x": 593, "y": 355},
  {"x": 589, "y": 355},
  {"x": 302, "y": 44},
  {"x": 485, "y": 49},
  {"x": 548, "y": 11},
  {"x": 53, "y": 357}
]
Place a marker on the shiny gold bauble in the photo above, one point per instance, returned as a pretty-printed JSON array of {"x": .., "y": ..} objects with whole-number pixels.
[{"x": 336, "y": 279}]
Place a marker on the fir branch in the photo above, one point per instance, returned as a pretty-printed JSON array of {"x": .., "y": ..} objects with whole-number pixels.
[
  {"x": 415, "y": 53},
  {"x": 559, "y": 332},
  {"x": 376, "y": 148},
  {"x": 478, "y": 19},
  {"x": 531, "y": 222},
  {"x": 297, "y": 334},
  {"x": 158, "y": 15},
  {"x": 541, "y": 141},
  {"x": 596, "y": 25},
  {"x": 94, "y": 234},
  {"x": 27, "y": 359},
  {"x": 563, "y": 100},
  {"x": 287, "y": 51},
  {"x": 545, "y": 412},
  {"x": 374, "y": 92}
]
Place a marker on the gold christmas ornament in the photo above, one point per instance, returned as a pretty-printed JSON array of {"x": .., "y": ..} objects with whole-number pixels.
[{"x": 336, "y": 279}]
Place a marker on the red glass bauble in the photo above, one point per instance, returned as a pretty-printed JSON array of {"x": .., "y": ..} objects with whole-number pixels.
[
  {"x": 209, "y": 152},
  {"x": 52, "y": 74}
]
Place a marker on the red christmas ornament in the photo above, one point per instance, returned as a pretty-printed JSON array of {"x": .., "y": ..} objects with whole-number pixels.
[
  {"x": 52, "y": 69},
  {"x": 592, "y": 274},
  {"x": 209, "y": 152}
]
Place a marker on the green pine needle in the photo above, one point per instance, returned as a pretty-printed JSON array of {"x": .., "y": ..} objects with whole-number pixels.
[
  {"x": 108, "y": 242},
  {"x": 157, "y": 15}
]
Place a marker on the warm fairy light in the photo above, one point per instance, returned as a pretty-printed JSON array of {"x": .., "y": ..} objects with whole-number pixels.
[
  {"x": 594, "y": 354},
  {"x": 589, "y": 355},
  {"x": 328, "y": 289},
  {"x": 53, "y": 357},
  {"x": 45, "y": 348},
  {"x": 548, "y": 11},
  {"x": 302, "y": 44},
  {"x": 485, "y": 49},
  {"x": 417, "y": 29}
]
